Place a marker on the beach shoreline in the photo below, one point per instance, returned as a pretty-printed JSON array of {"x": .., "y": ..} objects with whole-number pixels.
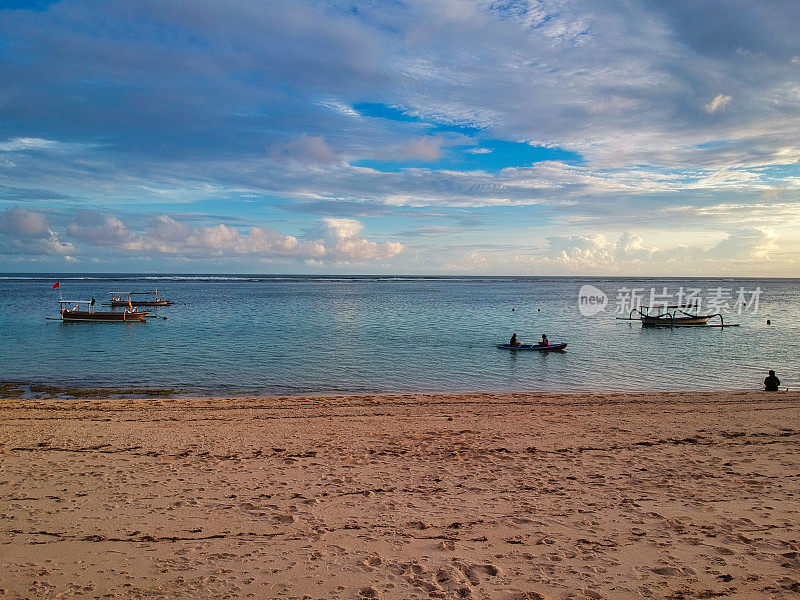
[
  {"x": 49, "y": 392},
  {"x": 507, "y": 496}
]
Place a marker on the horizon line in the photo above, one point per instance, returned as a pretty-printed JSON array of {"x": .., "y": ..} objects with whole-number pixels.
[{"x": 367, "y": 275}]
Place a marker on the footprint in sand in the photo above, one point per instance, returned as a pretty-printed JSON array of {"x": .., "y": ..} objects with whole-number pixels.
[
  {"x": 473, "y": 572},
  {"x": 530, "y": 596},
  {"x": 453, "y": 581},
  {"x": 284, "y": 518}
]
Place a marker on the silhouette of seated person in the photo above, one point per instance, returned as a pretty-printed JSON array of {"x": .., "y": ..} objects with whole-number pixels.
[
  {"x": 544, "y": 341},
  {"x": 771, "y": 383},
  {"x": 514, "y": 341}
]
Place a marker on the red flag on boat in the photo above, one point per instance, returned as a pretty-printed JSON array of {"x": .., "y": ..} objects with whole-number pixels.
[{"x": 57, "y": 284}]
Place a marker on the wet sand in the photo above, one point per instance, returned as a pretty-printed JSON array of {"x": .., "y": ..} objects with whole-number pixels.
[{"x": 466, "y": 496}]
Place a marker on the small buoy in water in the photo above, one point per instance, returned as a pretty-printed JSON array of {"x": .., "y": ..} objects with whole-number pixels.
[
  {"x": 769, "y": 322},
  {"x": 513, "y": 309},
  {"x": 538, "y": 310}
]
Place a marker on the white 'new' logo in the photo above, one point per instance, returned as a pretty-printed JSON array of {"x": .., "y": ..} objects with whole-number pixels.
[{"x": 591, "y": 300}]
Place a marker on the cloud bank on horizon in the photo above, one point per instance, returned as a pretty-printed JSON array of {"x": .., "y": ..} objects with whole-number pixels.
[{"x": 447, "y": 136}]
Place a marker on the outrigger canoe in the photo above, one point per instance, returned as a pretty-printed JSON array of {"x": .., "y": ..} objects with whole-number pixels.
[
  {"x": 89, "y": 314},
  {"x": 674, "y": 316},
  {"x": 550, "y": 348},
  {"x": 119, "y": 299}
]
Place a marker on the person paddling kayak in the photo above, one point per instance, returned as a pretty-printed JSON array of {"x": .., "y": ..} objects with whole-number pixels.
[{"x": 514, "y": 341}]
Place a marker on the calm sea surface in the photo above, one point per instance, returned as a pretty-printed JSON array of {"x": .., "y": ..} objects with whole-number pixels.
[{"x": 295, "y": 334}]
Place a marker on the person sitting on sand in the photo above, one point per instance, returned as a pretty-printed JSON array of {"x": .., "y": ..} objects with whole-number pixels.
[
  {"x": 544, "y": 341},
  {"x": 514, "y": 341},
  {"x": 771, "y": 383}
]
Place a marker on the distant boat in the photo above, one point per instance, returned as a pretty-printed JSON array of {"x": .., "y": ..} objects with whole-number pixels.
[
  {"x": 124, "y": 299},
  {"x": 549, "y": 348},
  {"x": 675, "y": 315},
  {"x": 83, "y": 310}
]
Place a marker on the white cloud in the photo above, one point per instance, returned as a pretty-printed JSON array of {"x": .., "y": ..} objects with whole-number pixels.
[
  {"x": 165, "y": 235},
  {"x": 741, "y": 251},
  {"x": 28, "y": 232},
  {"x": 21, "y": 144},
  {"x": 720, "y": 102},
  {"x": 630, "y": 253},
  {"x": 426, "y": 148},
  {"x": 340, "y": 107},
  {"x": 19, "y": 222},
  {"x": 746, "y": 244},
  {"x": 344, "y": 242},
  {"x": 99, "y": 229},
  {"x": 581, "y": 252},
  {"x": 342, "y": 229},
  {"x": 306, "y": 149},
  {"x": 337, "y": 240},
  {"x": 28, "y": 144},
  {"x": 630, "y": 247}
]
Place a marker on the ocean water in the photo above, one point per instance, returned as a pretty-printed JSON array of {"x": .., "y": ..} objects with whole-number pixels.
[{"x": 242, "y": 334}]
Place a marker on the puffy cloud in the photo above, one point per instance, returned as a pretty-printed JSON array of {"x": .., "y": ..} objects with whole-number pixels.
[
  {"x": 746, "y": 244},
  {"x": 337, "y": 240},
  {"x": 340, "y": 229},
  {"x": 630, "y": 253},
  {"x": 344, "y": 242},
  {"x": 581, "y": 252},
  {"x": 99, "y": 229},
  {"x": 631, "y": 246},
  {"x": 268, "y": 241},
  {"x": 560, "y": 244},
  {"x": 167, "y": 229},
  {"x": 28, "y": 232},
  {"x": 18, "y": 222},
  {"x": 740, "y": 251}
]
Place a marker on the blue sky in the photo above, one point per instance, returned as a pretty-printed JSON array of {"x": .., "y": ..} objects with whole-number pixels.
[{"x": 444, "y": 137}]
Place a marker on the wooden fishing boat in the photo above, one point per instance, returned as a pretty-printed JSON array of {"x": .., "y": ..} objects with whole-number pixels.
[
  {"x": 83, "y": 311},
  {"x": 679, "y": 319},
  {"x": 124, "y": 299},
  {"x": 676, "y": 315}
]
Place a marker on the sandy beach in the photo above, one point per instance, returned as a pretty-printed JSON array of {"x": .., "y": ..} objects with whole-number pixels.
[{"x": 513, "y": 497}]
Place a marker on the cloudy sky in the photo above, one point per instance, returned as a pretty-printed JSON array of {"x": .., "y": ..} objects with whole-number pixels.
[{"x": 443, "y": 136}]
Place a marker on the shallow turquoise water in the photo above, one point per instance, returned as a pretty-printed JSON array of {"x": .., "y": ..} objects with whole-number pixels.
[{"x": 287, "y": 334}]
